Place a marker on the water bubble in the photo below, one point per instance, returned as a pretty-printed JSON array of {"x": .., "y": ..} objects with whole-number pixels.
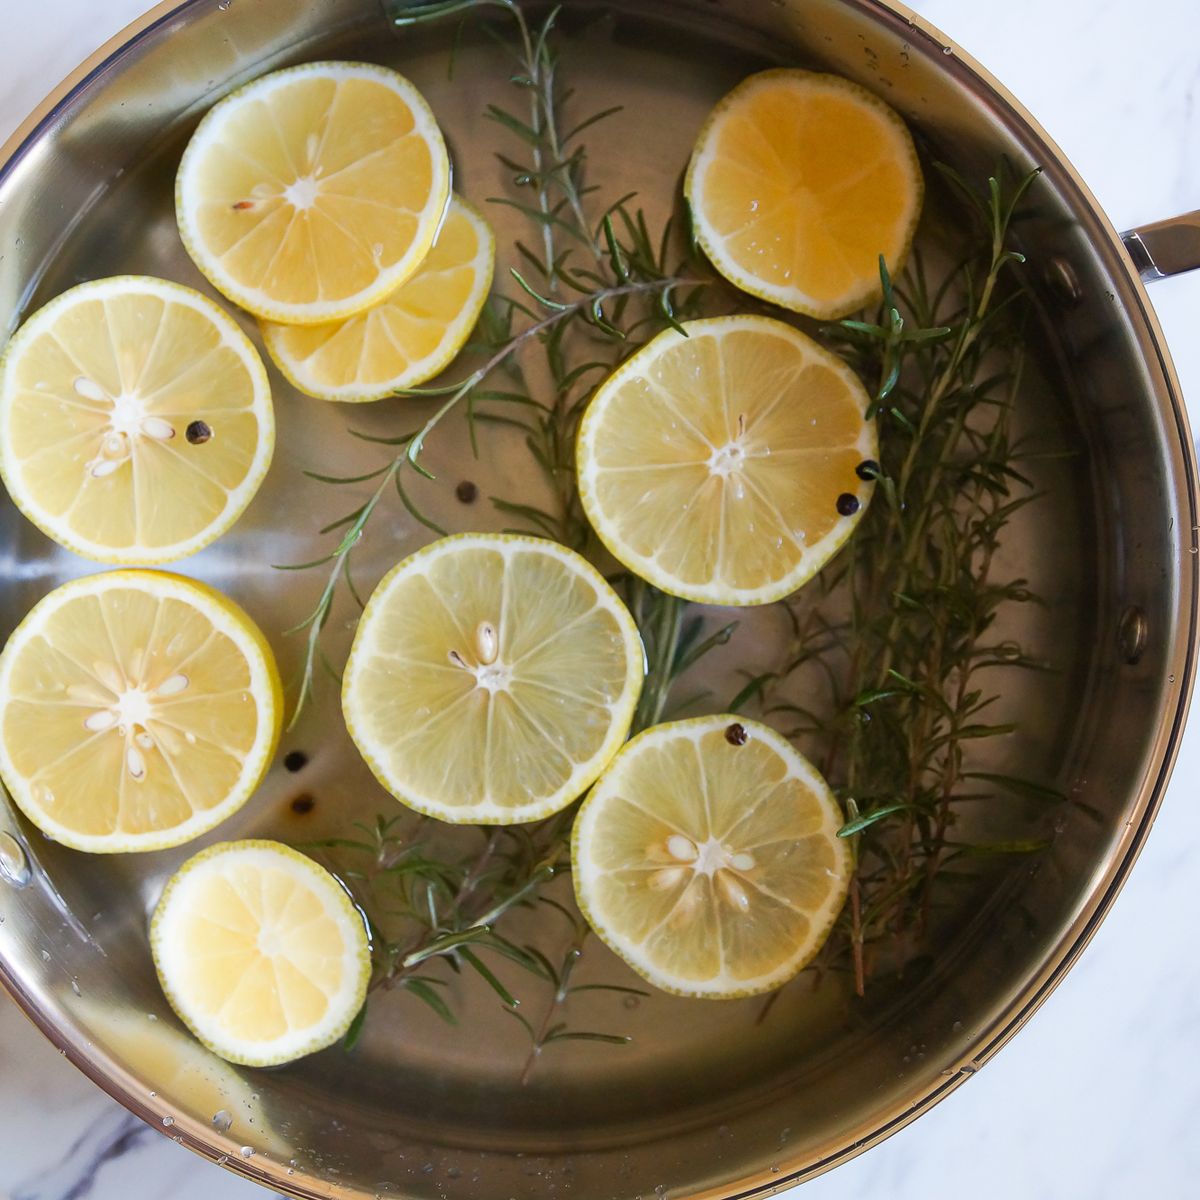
[
  {"x": 75, "y": 986},
  {"x": 222, "y": 1121},
  {"x": 247, "y": 1151},
  {"x": 168, "y": 1121}
]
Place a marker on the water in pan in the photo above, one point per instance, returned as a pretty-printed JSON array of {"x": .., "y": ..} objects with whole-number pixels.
[{"x": 413, "y": 1080}]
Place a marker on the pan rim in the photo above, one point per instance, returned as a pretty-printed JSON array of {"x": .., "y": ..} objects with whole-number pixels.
[{"x": 1180, "y": 657}]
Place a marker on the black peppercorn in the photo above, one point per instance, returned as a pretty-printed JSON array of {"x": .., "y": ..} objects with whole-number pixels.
[
  {"x": 847, "y": 504},
  {"x": 736, "y": 734},
  {"x": 295, "y": 760}
]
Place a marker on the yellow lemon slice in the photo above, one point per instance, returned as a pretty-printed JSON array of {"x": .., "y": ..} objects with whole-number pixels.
[
  {"x": 311, "y": 193},
  {"x": 727, "y": 466},
  {"x": 135, "y": 420},
  {"x": 405, "y": 339},
  {"x": 708, "y": 858},
  {"x": 798, "y": 183},
  {"x": 491, "y": 678},
  {"x": 261, "y": 952},
  {"x": 139, "y": 709}
]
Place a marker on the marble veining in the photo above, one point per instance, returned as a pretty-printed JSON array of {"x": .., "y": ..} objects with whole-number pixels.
[{"x": 1096, "y": 1099}]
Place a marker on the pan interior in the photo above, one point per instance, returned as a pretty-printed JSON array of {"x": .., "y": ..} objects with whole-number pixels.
[{"x": 705, "y": 1095}]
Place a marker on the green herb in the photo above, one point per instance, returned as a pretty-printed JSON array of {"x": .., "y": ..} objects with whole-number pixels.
[
  {"x": 436, "y": 899},
  {"x": 895, "y": 646},
  {"x": 622, "y": 265}
]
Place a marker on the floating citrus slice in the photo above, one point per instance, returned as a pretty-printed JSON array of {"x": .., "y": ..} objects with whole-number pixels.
[
  {"x": 491, "y": 678},
  {"x": 311, "y": 193},
  {"x": 798, "y": 183},
  {"x": 135, "y": 420},
  {"x": 261, "y": 952},
  {"x": 707, "y": 857},
  {"x": 405, "y": 339},
  {"x": 137, "y": 710},
  {"x": 728, "y": 465}
]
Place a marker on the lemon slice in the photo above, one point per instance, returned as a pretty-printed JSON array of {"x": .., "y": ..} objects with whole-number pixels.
[
  {"x": 491, "y": 678},
  {"x": 311, "y": 193},
  {"x": 261, "y": 952},
  {"x": 135, "y": 420},
  {"x": 708, "y": 858},
  {"x": 137, "y": 710},
  {"x": 405, "y": 339},
  {"x": 727, "y": 466},
  {"x": 798, "y": 183}
]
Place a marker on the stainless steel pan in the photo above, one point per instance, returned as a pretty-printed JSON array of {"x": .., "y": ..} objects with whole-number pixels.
[{"x": 705, "y": 1103}]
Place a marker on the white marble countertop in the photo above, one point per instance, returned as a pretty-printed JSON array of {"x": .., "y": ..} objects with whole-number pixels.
[{"x": 1096, "y": 1099}]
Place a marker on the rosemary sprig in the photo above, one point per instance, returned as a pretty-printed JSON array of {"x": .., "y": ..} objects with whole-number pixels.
[
  {"x": 892, "y": 646},
  {"x": 592, "y": 298}
]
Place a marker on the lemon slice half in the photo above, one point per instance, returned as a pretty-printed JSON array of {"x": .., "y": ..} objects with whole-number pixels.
[
  {"x": 311, "y": 193},
  {"x": 727, "y": 466},
  {"x": 405, "y": 339},
  {"x": 491, "y": 678},
  {"x": 707, "y": 857},
  {"x": 797, "y": 184},
  {"x": 135, "y": 420},
  {"x": 139, "y": 710},
  {"x": 261, "y": 952}
]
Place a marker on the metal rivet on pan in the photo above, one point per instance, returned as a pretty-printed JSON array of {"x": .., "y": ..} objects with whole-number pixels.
[
  {"x": 1133, "y": 631},
  {"x": 14, "y": 866},
  {"x": 1062, "y": 280}
]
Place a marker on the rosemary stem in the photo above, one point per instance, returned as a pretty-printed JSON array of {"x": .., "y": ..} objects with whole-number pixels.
[
  {"x": 315, "y": 622},
  {"x": 573, "y": 955}
]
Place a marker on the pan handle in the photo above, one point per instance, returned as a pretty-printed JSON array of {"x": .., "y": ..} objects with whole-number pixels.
[{"x": 1166, "y": 247}]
